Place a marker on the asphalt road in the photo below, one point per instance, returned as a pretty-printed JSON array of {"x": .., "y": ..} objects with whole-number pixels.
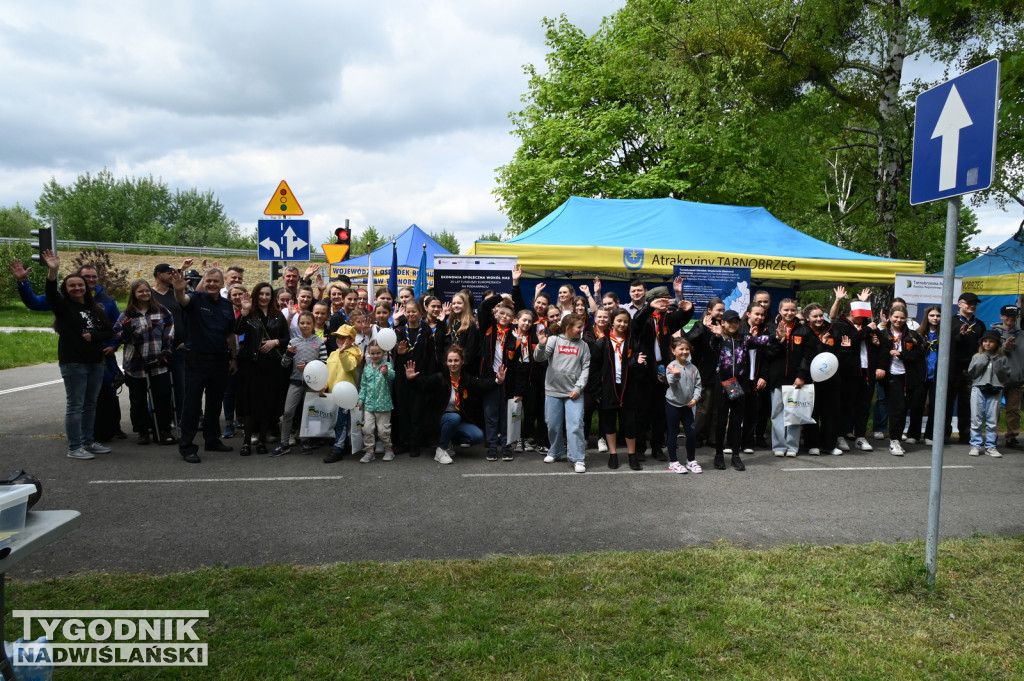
[{"x": 145, "y": 510}]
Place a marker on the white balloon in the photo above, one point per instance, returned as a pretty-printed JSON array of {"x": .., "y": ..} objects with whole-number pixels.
[
  {"x": 345, "y": 395},
  {"x": 824, "y": 366},
  {"x": 386, "y": 339},
  {"x": 315, "y": 375}
]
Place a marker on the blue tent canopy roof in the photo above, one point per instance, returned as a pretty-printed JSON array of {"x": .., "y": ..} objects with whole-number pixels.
[
  {"x": 1006, "y": 258},
  {"x": 410, "y": 250},
  {"x": 682, "y": 225}
]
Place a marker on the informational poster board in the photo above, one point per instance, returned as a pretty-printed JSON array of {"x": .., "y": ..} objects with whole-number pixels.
[
  {"x": 701, "y": 284},
  {"x": 474, "y": 272},
  {"x": 923, "y": 290}
]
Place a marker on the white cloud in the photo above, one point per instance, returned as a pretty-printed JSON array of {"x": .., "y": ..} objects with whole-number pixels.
[{"x": 386, "y": 113}]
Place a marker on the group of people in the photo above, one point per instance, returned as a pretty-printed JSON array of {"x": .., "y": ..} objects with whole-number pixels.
[{"x": 462, "y": 372}]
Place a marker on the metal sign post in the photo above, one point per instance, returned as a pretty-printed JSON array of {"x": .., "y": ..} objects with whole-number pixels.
[{"x": 954, "y": 154}]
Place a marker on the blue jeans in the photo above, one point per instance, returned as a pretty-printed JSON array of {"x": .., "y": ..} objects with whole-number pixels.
[
  {"x": 341, "y": 429},
  {"x": 558, "y": 410},
  {"x": 984, "y": 412},
  {"x": 82, "y": 384},
  {"x": 455, "y": 430}
]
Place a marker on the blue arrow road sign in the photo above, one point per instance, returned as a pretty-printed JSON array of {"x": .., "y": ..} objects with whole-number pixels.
[
  {"x": 283, "y": 240},
  {"x": 955, "y": 136}
]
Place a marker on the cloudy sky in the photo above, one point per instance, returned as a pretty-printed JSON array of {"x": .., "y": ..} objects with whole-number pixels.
[{"x": 387, "y": 113}]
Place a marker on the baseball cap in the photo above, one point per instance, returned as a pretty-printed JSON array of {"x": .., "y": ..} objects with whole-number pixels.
[
  {"x": 1010, "y": 310},
  {"x": 658, "y": 292},
  {"x": 969, "y": 298},
  {"x": 346, "y": 330},
  {"x": 162, "y": 268},
  {"x": 731, "y": 316}
]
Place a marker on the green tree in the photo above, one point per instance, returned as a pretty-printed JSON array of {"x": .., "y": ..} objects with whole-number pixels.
[
  {"x": 447, "y": 240},
  {"x": 369, "y": 240},
  {"x": 138, "y": 210},
  {"x": 792, "y": 106},
  {"x": 492, "y": 236},
  {"x": 17, "y": 222}
]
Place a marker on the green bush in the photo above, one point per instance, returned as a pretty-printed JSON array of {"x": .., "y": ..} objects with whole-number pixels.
[{"x": 19, "y": 250}]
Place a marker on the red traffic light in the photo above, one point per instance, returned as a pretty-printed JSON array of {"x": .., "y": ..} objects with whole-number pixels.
[{"x": 343, "y": 235}]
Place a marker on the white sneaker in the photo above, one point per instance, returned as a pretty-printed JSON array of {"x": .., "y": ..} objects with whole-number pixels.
[
  {"x": 677, "y": 467},
  {"x": 367, "y": 458},
  {"x": 694, "y": 467},
  {"x": 779, "y": 452},
  {"x": 878, "y": 435},
  {"x": 895, "y": 448},
  {"x": 518, "y": 446},
  {"x": 837, "y": 452},
  {"x": 994, "y": 453},
  {"x": 389, "y": 455},
  {"x": 580, "y": 467},
  {"x": 602, "y": 445},
  {"x": 527, "y": 446},
  {"x": 549, "y": 459},
  {"x": 974, "y": 451},
  {"x": 928, "y": 441},
  {"x": 863, "y": 445},
  {"x": 748, "y": 450},
  {"x": 911, "y": 441},
  {"x": 790, "y": 453},
  {"x": 726, "y": 451},
  {"x": 80, "y": 454},
  {"x": 442, "y": 456},
  {"x": 814, "y": 451},
  {"x": 842, "y": 444}
]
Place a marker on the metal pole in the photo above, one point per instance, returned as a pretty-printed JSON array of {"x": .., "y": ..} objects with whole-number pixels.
[{"x": 938, "y": 424}]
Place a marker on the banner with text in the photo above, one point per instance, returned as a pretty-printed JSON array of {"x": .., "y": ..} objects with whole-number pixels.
[
  {"x": 923, "y": 290},
  {"x": 473, "y": 272},
  {"x": 701, "y": 284}
]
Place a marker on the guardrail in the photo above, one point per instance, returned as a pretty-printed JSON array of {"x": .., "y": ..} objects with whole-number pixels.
[{"x": 160, "y": 248}]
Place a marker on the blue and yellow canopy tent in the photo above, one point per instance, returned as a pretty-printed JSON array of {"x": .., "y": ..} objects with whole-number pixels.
[
  {"x": 997, "y": 277},
  {"x": 409, "y": 249},
  {"x": 646, "y": 238}
]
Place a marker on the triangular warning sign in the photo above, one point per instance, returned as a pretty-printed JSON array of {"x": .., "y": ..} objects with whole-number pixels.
[
  {"x": 334, "y": 252},
  {"x": 283, "y": 202}
]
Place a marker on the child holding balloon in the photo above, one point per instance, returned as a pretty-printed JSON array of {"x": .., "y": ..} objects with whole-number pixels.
[
  {"x": 342, "y": 367},
  {"x": 303, "y": 349}
]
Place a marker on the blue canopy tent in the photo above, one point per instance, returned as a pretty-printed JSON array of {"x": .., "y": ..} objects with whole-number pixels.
[
  {"x": 409, "y": 246},
  {"x": 997, "y": 277},
  {"x": 645, "y": 238}
]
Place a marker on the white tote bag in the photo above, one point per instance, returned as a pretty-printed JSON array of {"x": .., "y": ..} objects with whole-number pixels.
[
  {"x": 798, "y": 404},
  {"x": 318, "y": 416},
  {"x": 515, "y": 421}
]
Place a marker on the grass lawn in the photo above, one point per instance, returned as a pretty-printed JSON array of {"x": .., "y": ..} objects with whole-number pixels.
[
  {"x": 799, "y": 612},
  {"x": 16, "y": 314},
  {"x": 22, "y": 348}
]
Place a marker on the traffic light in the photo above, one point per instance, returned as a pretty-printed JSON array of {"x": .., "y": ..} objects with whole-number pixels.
[
  {"x": 275, "y": 270},
  {"x": 44, "y": 242},
  {"x": 344, "y": 235}
]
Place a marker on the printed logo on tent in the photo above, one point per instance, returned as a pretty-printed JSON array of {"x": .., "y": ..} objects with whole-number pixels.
[{"x": 633, "y": 258}]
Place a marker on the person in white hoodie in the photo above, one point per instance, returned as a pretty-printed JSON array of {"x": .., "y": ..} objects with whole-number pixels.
[{"x": 568, "y": 359}]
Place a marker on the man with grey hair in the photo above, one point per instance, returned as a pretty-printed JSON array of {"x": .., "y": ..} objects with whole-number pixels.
[{"x": 211, "y": 354}]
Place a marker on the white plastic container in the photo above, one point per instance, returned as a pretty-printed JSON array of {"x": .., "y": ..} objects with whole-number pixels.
[{"x": 14, "y": 506}]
